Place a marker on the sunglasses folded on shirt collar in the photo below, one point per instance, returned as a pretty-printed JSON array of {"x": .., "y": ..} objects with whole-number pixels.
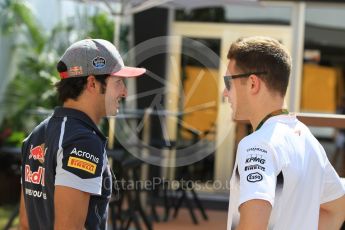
[{"x": 228, "y": 78}]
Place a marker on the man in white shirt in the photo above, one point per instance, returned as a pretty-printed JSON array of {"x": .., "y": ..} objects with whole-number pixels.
[{"x": 282, "y": 178}]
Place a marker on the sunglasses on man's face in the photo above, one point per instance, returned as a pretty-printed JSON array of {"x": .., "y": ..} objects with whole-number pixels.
[{"x": 228, "y": 78}]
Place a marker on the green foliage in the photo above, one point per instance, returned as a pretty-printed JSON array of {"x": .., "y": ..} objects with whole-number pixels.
[
  {"x": 102, "y": 26},
  {"x": 32, "y": 88},
  {"x": 37, "y": 55},
  {"x": 5, "y": 213},
  {"x": 16, "y": 17},
  {"x": 15, "y": 139}
]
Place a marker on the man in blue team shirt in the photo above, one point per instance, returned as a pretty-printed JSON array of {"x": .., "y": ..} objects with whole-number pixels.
[{"x": 66, "y": 181}]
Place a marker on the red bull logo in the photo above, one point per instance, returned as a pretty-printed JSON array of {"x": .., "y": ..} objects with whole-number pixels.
[
  {"x": 75, "y": 70},
  {"x": 38, "y": 153},
  {"x": 34, "y": 177}
]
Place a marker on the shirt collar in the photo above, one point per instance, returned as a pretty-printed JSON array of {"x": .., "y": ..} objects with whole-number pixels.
[
  {"x": 283, "y": 118},
  {"x": 77, "y": 114}
]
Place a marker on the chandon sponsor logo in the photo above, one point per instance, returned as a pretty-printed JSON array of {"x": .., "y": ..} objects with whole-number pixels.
[{"x": 256, "y": 149}]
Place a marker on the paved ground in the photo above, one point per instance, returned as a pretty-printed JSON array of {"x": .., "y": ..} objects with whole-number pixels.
[{"x": 217, "y": 220}]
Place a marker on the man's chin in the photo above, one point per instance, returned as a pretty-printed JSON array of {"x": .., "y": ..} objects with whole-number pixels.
[
  {"x": 235, "y": 117},
  {"x": 113, "y": 113},
  {"x": 240, "y": 120}
]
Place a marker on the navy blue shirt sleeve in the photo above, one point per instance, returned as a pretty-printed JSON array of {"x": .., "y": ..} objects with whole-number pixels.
[{"x": 80, "y": 163}]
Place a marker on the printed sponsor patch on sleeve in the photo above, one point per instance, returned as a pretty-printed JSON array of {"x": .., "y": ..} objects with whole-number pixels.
[
  {"x": 254, "y": 177},
  {"x": 78, "y": 163},
  {"x": 84, "y": 156},
  {"x": 255, "y": 159},
  {"x": 256, "y": 164}
]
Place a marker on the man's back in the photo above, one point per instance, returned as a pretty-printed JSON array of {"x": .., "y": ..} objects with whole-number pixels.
[
  {"x": 39, "y": 198},
  {"x": 66, "y": 149}
]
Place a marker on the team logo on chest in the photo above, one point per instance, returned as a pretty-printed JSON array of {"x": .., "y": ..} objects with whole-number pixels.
[
  {"x": 38, "y": 152},
  {"x": 34, "y": 177}
]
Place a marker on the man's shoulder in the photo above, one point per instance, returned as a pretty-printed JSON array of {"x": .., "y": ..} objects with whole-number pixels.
[
  {"x": 277, "y": 131},
  {"x": 262, "y": 141},
  {"x": 76, "y": 128},
  {"x": 82, "y": 135},
  {"x": 38, "y": 131},
  {"x": 254, "y": 144},
  {"x": 255, "y": 138}
]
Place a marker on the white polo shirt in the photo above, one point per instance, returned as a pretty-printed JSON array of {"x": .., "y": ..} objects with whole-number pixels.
[{"x": 284, "y": 164}]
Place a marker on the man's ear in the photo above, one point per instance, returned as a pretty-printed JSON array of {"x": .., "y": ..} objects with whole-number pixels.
[
  {"x": 255, "y": 84},
  {"x": 91, "y": 83}
]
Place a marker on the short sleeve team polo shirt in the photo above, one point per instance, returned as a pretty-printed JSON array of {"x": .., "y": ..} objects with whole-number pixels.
[
  {"x": 66, "y": 149},
  {"x": 284, "y": 164}
]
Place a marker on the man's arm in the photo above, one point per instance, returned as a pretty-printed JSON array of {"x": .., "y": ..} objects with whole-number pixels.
[
  {"x": 71, "y": 206},
  {"x": 332, "y": 214},
  {"x": 254, "y": 214},
  {"x": 23, "y": 219}
]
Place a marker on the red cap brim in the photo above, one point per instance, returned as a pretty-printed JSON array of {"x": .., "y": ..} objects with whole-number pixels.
[{"x": 129, "y": 72}]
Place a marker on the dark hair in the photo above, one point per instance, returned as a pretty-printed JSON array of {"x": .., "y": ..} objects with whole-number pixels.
[
  {"x": 71, "y": 88},
  {"x": 263, "y": 54}
]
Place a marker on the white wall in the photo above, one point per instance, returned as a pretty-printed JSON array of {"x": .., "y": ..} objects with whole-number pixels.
[
  {"x": 246, "y": 12},
  {"x": 331, "y": 15}
]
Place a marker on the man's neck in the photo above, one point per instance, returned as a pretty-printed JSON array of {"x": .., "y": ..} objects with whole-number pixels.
[
  {"x": 264, "y": 110},
  {"x": 82, "y": 107}
]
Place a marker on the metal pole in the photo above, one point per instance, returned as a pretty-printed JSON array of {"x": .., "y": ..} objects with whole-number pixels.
[
  {"x": 117, "y": 28},
  {"x": 298, "y": 26}
]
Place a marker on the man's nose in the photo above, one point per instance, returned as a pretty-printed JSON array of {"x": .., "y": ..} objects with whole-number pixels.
[{"x": 124, "y": 92}]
